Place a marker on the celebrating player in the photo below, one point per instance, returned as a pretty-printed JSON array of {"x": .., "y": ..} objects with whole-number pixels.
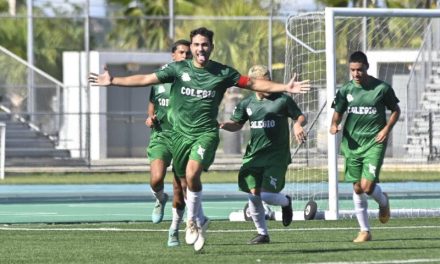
[
  {"x": 267, "y": 156},
  {"x": 365, "y": 135},
  {"x": 197, "y": 90}
]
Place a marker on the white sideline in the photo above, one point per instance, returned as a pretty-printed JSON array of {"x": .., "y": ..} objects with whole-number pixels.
[
  {"x": 11, "y": 228},
  {"x": 382, "y": 261}
]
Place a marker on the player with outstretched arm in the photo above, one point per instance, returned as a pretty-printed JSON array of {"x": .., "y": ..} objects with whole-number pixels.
[{"x": 198, "y": 88}]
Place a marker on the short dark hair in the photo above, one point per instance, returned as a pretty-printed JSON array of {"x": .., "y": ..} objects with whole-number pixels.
[
  {"x": 359, "y": 56},
  {"x": 178, "y": 43},
  {"x": 204, "y": 32}
]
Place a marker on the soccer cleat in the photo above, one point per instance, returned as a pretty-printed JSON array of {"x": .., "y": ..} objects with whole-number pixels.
[
  {"x": 259, "y": 239},
  {"x": 363, "y": 236},
  {"x": 191, "y": 233},
  {"x": 200, "y": 242},
  {"x": 287, "y": 212},
  {"x": 384, "y": 212},
  {"x": 173, "y": 238},
  {"x": 158, "y": 210}
]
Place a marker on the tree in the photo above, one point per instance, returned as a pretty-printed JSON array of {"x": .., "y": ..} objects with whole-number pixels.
[
  {"x": 142, "y": 27},
  {"x": 380, "y": 3},
  {"x": 238, "y": 43},
  {"x": 52, "y": 36}
]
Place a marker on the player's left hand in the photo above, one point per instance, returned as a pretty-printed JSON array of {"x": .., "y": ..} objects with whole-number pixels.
[
  {"x": 298, "y": 87},
  {"x": 382, "y": 135},
  {"x": 300, "y": 134}
]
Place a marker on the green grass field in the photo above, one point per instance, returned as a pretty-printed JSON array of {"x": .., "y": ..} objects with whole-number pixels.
[{"x": 402, "y": 240}]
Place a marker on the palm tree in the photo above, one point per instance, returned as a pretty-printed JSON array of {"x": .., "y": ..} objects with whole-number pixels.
[
  {"x": 134, "y": 31},
  {"x": 238, "y": 43}
]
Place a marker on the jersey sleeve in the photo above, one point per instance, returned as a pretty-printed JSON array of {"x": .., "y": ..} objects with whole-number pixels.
[
  {"x": 239, "y": 114},
  {"x": 390, "y": 98},
  {"x": 167, "y": 73},
  {"x": 233, "y": 77},
  {"x": 293, "y": 110},
  {"x": 340, "y": 101}
]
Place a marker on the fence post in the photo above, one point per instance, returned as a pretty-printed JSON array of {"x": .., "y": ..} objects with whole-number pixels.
[
  {"x": 2, "y": 150},
  {"x": 431, "y": 148}
]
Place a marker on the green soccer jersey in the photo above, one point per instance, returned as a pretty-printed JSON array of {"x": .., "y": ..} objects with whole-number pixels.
[
  {"x": 159, "y": 97},
  {"x": 268, "y": 118},
  {"x": 366, "y": 110},
  {"x": 196, "y": 94}
]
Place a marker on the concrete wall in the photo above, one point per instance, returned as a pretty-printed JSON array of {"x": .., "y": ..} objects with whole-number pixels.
[{"x": 85, "y": 116}]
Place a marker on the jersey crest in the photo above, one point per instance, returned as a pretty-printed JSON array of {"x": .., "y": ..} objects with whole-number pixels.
[
  {"x": 161, "y": 89},
  {"x": 349, "y": 97},
  {"x": 185, "y": 77},
  {"x": 249, "y": 111}
]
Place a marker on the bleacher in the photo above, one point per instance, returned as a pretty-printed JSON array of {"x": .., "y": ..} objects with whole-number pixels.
[
  {"x": 423, "y": 138},
  {"x": 25, "y": 141}
]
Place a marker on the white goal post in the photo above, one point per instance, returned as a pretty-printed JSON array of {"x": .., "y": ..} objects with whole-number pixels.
[{"x": 315, "y": 37}]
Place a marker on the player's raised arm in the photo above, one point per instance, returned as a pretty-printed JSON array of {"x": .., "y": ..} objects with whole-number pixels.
[
  {"x": 298, "y": 87},
  {"x": 267, "y": 86},
  {"x": 105, "y": 79}
]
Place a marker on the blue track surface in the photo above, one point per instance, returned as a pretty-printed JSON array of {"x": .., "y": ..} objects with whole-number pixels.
[{"x": 134, "y": 202}]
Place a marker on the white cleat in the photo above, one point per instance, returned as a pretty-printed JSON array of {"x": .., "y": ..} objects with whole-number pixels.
[
  {"x": 200, "y": 242},
  {"x": 192, "y": 232}
]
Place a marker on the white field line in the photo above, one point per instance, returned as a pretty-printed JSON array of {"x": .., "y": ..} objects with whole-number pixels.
[
  {"x": 400, "y": 261},
  {"x": 13, "y": 228}
]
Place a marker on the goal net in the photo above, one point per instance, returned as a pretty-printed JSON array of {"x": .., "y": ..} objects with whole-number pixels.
[{"x": 403, "y": 49}]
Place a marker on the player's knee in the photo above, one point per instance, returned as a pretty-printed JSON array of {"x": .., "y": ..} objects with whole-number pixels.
[
  {"x": 178, "y": 204},
  {"x": 255, "y": 191},
  {"x": 369, "y": 189},
  {"x": 357, "y": 188},
  {"x": 254, "y": 198},
  {"x": 156, "y": 184}
]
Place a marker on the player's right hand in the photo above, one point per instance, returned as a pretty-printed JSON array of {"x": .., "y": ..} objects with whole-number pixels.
[
  {"x": 150, "y": 121},
  {"x": 298, "y": 86},
  {"x": 335, "y": 129},
  {"x": 103, "y": 79}
]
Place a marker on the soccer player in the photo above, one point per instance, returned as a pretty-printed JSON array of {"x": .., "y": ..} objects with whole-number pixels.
[
  {"x": 365, "y": 99},
  {"x": 198, "y": 88},
  {"x": 267, "y": 156},
  {"x": 159, "y": 149}
]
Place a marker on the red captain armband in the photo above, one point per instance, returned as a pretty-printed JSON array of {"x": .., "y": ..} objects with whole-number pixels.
[{"x": 243, "y": 81}]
